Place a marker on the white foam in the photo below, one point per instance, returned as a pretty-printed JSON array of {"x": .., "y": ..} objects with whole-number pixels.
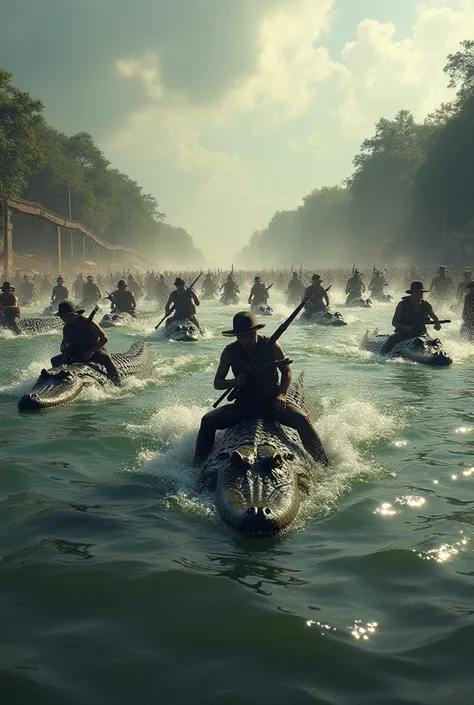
[
  {"x": 343, "y": 430},
  {"x": 26, "y": 377},
  {"x": 176, "y": 427}
]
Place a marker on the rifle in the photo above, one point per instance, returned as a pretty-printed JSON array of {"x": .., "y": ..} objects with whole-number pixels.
[
  {"x": 270, "y": 342},
  {"x": 430, "y": 322},
  {"x": 70, "y": 347},
  {"x": 187, "y": 289}
]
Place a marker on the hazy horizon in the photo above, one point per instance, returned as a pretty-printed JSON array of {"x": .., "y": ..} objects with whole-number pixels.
[{"x": 229, "y": 112}]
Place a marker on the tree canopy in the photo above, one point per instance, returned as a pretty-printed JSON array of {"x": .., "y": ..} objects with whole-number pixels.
[
  {"x": 40, "y": 164},
  {"x": 21, "y": 151},
  {"x": 411, "y": 188}
]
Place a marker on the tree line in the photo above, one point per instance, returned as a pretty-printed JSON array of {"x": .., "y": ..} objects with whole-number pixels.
[
  {"x": 409, "y": 198},
  {"x": 40, "y": 164}
]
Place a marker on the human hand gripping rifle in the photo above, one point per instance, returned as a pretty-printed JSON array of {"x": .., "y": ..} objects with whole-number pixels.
[
  {"x": 187, "y": 289},
  {"x": 253, "y": 364},
  {"x": 70, "y": 346}
]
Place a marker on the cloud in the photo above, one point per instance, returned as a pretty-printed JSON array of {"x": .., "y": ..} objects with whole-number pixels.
[
  {"x": 387, "y": 74},
  {"x": 288, "y": 69}
]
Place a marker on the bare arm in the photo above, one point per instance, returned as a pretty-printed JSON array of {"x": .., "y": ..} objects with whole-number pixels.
[
  {"x": 433, "y": 317},
  {"x": 96, "y": 330},
  {"x": 194, "y": 297},
  {"x": 285, "y": 379},
  {"x": 169, "y": 304},
  {"x": 220, "y": 381}
]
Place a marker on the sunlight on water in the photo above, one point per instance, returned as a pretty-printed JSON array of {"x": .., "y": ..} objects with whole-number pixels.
[
  {"x": 445, "y": 552},
  {"x": 363, "y": 630},
  {"x": 385, "y": 510},
  {"x": 412, "y": 501}
]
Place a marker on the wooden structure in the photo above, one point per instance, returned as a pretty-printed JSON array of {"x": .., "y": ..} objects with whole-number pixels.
[{"x": 11, "y": 206}]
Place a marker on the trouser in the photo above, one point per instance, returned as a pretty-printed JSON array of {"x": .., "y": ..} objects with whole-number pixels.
[
  {"x": 393, "y": 339},
  {"x": 12, "y": 324},
  {"x": 232, "y": 414},
  {"x": 101, "y": 357}
]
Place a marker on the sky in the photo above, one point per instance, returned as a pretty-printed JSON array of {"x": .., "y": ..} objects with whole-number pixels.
[{"x": 230, "y": 110}]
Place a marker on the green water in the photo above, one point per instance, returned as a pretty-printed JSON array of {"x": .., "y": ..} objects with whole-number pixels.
[{"x": 119, "y": 584}]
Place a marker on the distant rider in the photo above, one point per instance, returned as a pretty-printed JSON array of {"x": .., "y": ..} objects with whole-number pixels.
[
  {"x": 82, "y": 341},
  {"x": 318, "y": 299},
  {"x": 258, "y": 293},
  {"x": 410, "y": 317},
  {"x": 9, "y": 308},
  {"x": 377, "y": 284},
  {"x": 90, "y": 292},
  {"x": 60, "y": 292},
  {"x": 355, "y": 287},
  {"x": 463, "y": 285},
  {"x": 122, "y": 299},
  {"x": 295, "y": 289},
  {"x": 442, "y": 286},
  {"x": 184, "y": 302}
]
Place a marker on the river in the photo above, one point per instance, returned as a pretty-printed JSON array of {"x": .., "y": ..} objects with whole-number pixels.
[{"x": 119, "y": 584}]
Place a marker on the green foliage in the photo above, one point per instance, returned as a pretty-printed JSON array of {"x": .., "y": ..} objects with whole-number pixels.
[
  {"x": 412, "y": 185},
  {"x": 460, "y": 67},
  {"x": 41, "y": 164},
  {"x": 21, "y": 152}
]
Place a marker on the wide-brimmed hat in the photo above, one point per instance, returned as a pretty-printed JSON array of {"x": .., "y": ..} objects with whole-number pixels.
[
  {"x": 295, "y": 274},
  {"x": 6, "y": 286},
  {"x": 257, "y": 278},
  {"x": 60, "y": 279},
  {"x": 416, "y": 286},
  {"x": 356, "y": 271},
  {"x": 89, "y": 276},
  {"x": 317, "y": 276},
  {"x": 442, "y": 267},
  {"x": 122, "y": 282},
  {"x": 179, "y": 281},
  {"x": 65, "y": 308},
  {"x": 243, "y": 322}
]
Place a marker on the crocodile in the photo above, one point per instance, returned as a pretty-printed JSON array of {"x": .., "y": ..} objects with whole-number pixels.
[
  {"x": 183, "y": 331},
  {"x": 120, "y": 318},
  {"x": 60, "y": 385},
  {"x": 36, "y": 326},
  {"x": 260, "y": 473},
  {"x": 422, "y": 349}
]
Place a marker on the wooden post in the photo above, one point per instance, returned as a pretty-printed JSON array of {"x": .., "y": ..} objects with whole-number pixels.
[
  {"x": 59, "y": 251},
  {"x": 83, "y": 249},
  {"x": 7, "y": 232}
]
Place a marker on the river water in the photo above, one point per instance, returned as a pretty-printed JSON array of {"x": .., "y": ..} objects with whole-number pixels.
[{"x": 119, "y": 584}]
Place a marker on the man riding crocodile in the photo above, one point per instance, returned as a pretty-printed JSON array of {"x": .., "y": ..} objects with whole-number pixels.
[{"x": 260, "y": 394}]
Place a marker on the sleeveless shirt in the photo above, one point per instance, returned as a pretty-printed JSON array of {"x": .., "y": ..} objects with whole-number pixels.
[{"x": 262, "y": 386}]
